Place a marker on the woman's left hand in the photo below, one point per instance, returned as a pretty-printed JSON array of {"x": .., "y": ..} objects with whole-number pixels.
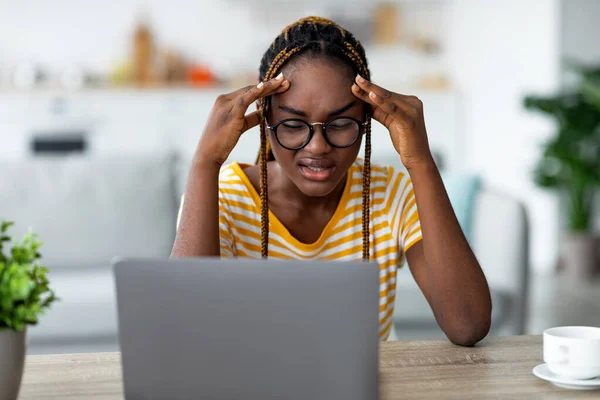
[{"x": 402, "y": 116}]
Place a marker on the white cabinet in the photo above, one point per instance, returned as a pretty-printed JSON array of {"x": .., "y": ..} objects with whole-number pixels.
[
  {"x": 126, "y": 122},
  {"x": 13, "y": 122}
]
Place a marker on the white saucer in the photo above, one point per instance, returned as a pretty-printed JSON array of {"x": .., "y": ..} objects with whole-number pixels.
[{"x": 543, "y": 372}]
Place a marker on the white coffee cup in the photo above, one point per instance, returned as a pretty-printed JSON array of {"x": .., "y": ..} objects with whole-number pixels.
[{"x": 573, "y": 351}]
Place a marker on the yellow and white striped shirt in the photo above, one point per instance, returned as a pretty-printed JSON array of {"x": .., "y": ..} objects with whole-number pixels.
[{"x": 394, "y": 226}]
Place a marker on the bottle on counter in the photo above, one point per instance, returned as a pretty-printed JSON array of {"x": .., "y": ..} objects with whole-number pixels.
[{"x": 143, "y": 56}]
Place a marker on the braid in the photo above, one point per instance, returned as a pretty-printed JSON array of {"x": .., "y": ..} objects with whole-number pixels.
[
  {"x": 314, "y": 36},
  {"x": 265, "y": 154},
  {"x": 314, "y": 20},
  {"x": 264, "y": 195},
  {"x": 366, "y": 194},
  {"x": 275, "y": 61},
  {"x": 355, "y": 56},
  {"x": 281, "y": 58}
]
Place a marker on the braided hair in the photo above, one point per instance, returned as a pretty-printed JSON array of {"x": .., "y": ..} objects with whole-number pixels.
[{"x": 318, "y": 37}]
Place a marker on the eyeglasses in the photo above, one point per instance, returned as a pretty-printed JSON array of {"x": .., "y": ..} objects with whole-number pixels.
[{"x": 294, "y": 133}]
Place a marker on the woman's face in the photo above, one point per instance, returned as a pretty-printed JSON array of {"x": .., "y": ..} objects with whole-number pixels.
[{"x": 320, "y": 90}]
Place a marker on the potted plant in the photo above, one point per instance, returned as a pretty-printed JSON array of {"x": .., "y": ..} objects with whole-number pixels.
[
  {"x": 24, "y": 295},
  {"x": 570, "y": 164}
]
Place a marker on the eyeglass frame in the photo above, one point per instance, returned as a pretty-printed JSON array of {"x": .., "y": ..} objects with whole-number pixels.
[{"x": 311, "y": 127}]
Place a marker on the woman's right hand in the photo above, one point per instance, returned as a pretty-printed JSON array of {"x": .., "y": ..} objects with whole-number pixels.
[{"x": 228, "y": 120}]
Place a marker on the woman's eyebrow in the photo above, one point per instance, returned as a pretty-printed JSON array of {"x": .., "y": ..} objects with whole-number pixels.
[
  {"x": 331, "y": 114},
  {"x": 343, "y": 109},
  {"x": 292, "y": 110}
]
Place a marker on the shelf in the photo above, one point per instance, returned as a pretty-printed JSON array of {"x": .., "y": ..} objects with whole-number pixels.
[{"x": 215, "y": 91}]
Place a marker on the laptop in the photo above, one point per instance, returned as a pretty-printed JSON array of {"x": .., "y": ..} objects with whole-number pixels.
[{"x": 211, "y": 328}]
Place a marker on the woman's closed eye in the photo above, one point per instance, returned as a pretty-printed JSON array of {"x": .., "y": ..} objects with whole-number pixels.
[
  {"x": 341, "y": 124},
  {"x": 294, "y": 125}
]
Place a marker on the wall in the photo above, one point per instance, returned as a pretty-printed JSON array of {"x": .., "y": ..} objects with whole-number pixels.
[
  {"x": 228, "y": 35},
  {"x": 581, "y": 29},
  {"x": 500, "y": 51},
  {"x": 95, "y": 35},
  {"x": 495, "y": 52}
]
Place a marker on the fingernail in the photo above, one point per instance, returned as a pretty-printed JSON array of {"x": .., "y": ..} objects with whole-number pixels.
[
  {"x": 373, "y": 95},
  {"x": 260, "y": 85},
  {"x": 280, "y": 76},
  {"x": 286, "y": 82},
  {"x": 361, "y": 79}
]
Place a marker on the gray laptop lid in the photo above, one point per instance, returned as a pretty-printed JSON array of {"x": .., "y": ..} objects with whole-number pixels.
[{"x": 248, "y": 329}]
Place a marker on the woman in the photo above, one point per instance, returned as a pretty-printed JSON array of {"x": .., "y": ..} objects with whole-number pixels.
[{"x": 310, "y": 197}]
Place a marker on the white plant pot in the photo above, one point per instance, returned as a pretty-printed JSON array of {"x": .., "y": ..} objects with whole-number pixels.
[
  {"x": 580, "y": 255},
  {"x": 12, "y": 361}
]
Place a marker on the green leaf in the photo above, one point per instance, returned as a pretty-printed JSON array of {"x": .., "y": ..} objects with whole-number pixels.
[
  {"x": 591, "y": 89},
  {"x": 25, "y": 291},
  {"x": 570, "y": 161},
  {"x": 5, "y": 225}
]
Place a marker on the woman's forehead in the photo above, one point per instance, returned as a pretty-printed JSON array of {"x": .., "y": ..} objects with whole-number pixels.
[
  {"x": 316, "y": 87},
  {"x": 310, "y": 67}
]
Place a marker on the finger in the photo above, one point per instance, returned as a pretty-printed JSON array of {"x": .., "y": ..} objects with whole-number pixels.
[
  {"x": 398, "y": 99},
  {"x": 369, "y": 86},
  {"x": 378, "y": 113},
  {"x": 243, "y": 101},
  {"x": 388, "y": 105},
  {"x": 251, "y": 120},
  {"x": 261, "y": 87},
  {"x": 235, "y": 94},
  {"x": 381, "y": 116},
  {"x": 363, "y": 95},
  {"x": 285, "y": 85}
]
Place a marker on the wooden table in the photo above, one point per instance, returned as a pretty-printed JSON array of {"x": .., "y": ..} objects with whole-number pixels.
[{"x": 497, "y": 368}]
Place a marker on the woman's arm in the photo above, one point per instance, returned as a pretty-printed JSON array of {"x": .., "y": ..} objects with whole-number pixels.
[
  {"x": 198, "y": 230},
  {"x": 444, "y": 265}
]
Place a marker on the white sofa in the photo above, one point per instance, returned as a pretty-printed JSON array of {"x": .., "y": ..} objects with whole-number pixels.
[{"x": 88, "y": 210}]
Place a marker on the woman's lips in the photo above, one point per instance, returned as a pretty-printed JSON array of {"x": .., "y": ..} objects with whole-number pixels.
[{"x": 316, "y": 169}]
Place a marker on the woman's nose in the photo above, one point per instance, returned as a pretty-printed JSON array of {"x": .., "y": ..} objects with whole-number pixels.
[{"x": 318, "y": 144}]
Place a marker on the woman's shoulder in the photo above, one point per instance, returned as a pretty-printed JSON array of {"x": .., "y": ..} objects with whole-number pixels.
[
  {"x": 236, "y": 182},
  {"x": 231, "y": 173}
]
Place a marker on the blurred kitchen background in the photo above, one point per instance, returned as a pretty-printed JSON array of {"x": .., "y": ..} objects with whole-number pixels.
[{"x": 102, "y": 104}]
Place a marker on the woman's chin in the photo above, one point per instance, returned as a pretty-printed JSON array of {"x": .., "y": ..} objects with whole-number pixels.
[{"x": 317, "y": 189}]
